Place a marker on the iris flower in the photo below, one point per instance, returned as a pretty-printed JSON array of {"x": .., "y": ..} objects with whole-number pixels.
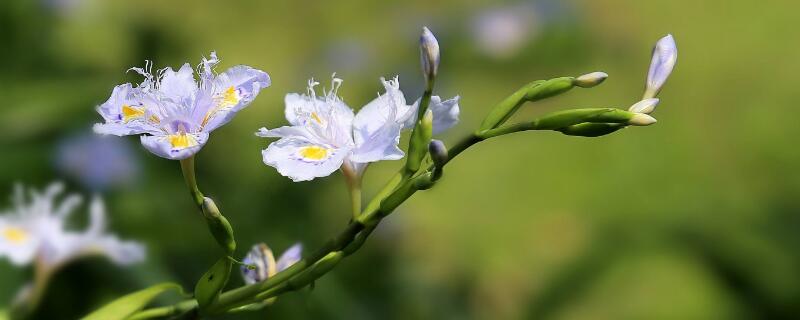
[
  {"x": 325, "y": 134},
  {"x": 34, "y": 229},
  {"x": 263, "y": 261},
  {"x": 173, "y": 112}
]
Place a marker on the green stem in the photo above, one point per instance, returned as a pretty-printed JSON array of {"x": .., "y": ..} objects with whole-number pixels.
[
  {"x": 187, "y": 167},
  {"x": 396, "y": 191},
  {"x": 353, "y": 179}
]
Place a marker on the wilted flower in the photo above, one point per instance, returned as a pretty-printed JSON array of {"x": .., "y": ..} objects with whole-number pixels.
[
  {"x": 35, "y": 229},
  {"x": 173, "y": 112},
  {"x": 260, "y": 263},
  {"x": 665, "y": 54}
]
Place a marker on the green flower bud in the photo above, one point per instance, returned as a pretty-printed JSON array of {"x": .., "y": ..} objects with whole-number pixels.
[
  {"x": 219, "y": 226},
  {"x": 420, "y": 138},
  {"x": 533, "y": 91}
]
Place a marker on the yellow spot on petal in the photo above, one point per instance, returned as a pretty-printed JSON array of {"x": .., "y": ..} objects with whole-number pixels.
[
  {"x": 314, "y": 152},
  {"x": 14, "y": 235},
  {"x": 230, "y": 97},
  {"x": 227, "y": 99},
  {"x": 182, "y": 140},
  {"x": 129, "y": 113},
  {"x": 316, "y": 118}
]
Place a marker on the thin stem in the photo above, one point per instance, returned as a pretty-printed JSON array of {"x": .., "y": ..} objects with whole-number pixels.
[
  {"x": 187, "y": 167},
  {"x": 353, "y": 179}
]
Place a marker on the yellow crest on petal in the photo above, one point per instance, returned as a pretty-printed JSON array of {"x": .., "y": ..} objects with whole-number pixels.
[
  {"x": 314, "y": 152},
  {"x": 14, "y": 235}
]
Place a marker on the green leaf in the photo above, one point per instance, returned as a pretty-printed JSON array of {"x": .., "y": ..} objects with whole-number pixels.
[
  {"x": 209, "y": 287},
  {"x": 127, "y": 305}
]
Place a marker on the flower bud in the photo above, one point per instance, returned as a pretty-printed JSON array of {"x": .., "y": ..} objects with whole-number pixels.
[
  {"x": 219, "y": 226},
  {"x": 645, "y": 106},
  {"x": 641, "y": 119},
  {"x": 590, "y": 79},
  {"x": 665, "y": 54},
  {"x": 420, "y": 138},
  {"x": 429, "y": 55},
  {"x": 438, "y": 152}
]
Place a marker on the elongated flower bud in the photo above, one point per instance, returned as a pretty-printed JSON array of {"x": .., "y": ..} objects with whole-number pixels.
[
  {"x": 665, "y": 54},
  {"x": 646, "y": 106},
  {"x": 219, "y": 226},
  {"x": 641, "y": 119},
  {"x": 590, "y": 79},
  {"x": 429, "y": 55}
]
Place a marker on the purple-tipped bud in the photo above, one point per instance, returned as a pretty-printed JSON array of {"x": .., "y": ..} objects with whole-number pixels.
[
  {"x": 665, "y": 54},
  {"x": 438, "y": 152},
  {"x": 429, "y": 55}
]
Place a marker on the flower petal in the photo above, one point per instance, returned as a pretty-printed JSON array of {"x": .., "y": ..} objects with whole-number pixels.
[
  {"x": 179, "y": 86},
  {"x": 17, "y": 242},
  {"x": 127, "y": 112},
  {"x": 176, "y": 146},
  {"x": 301, "y": 160},
  {"x": 445, "y": 113},
  {"x": 234, "y": 90},
  {"x": 290, "y": 256}
]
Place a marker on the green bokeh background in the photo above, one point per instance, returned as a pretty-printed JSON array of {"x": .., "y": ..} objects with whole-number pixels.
[{"x": 695, "y": 217}]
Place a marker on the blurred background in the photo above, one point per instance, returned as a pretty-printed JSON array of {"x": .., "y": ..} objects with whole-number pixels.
[{"x": 695, "y": 217}]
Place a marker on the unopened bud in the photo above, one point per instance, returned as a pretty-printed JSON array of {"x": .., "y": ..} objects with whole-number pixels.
[
  {"x": 591, "y": 79},
  {"x": 665, "y": 54},
  {"x": 641, "y": 119},
  {"x": 438, "y": 152},
  {"x": 646, "y": 106},
  {"x": 429, "y": 55}
]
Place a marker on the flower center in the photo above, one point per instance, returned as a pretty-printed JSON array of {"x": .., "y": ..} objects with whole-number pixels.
[
  {"x": 181, "y": 140},
  {"x": 14, "y": 235},
  {"x": 314, "y": 152}
]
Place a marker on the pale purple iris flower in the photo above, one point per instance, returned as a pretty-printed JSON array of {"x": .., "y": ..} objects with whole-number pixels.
[{"x": 173, "y": 112}]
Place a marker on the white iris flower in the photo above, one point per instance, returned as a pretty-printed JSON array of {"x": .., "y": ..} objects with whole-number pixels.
[
  {"x": 173, "y": 112},
  {"x": 324, "y": 133},
  {"x": 34, "y": 229}
]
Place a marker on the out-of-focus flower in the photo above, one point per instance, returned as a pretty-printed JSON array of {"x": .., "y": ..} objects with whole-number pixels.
[
  {"x": 97, "y": 162},
  {"x": 260, "y": 263},
  {"x": 34, "y": 229},
  {"x": 174, "y": 113},
  {"x": 503, "y": 32},
  {"x": 665, "y": 54}
]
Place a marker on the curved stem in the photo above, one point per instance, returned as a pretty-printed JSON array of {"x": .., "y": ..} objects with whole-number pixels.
[{"x": 397, "y": 190}]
